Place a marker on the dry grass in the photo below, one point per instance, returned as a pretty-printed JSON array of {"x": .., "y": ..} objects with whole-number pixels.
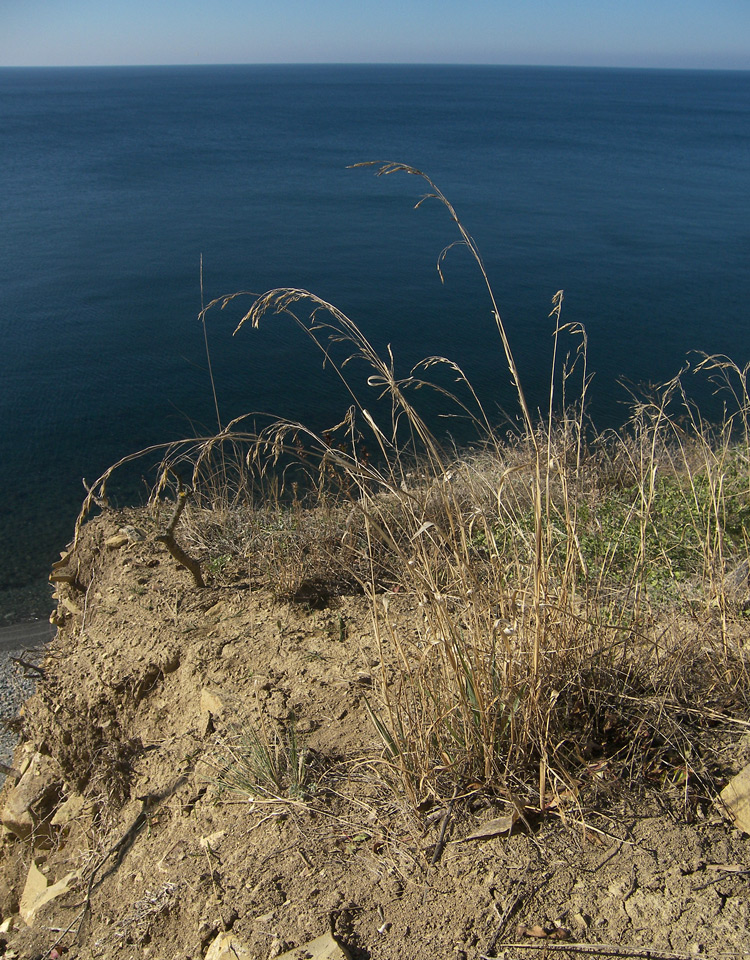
[{"x": 581, "y": 598}]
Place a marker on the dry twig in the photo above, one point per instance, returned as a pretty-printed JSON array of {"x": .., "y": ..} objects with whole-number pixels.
[
  {"x": 608, "y": 950},
  {"x": 171, "y": 544}
]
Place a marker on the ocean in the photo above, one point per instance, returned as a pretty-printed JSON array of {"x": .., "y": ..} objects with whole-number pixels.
[{"x": 627, "y": 189}]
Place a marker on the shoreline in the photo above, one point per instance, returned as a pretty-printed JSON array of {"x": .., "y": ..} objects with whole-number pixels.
[
  {"x": 28, "y": 605},
  {"x": 16, "y": 685},
  {"x": 18, "y": 636}
]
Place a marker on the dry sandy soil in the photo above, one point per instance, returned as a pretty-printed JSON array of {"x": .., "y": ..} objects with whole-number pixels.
[{"x": 147, "y": 692}]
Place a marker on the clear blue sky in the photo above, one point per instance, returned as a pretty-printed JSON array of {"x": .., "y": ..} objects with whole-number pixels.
[{"x": 648, "y": 33}]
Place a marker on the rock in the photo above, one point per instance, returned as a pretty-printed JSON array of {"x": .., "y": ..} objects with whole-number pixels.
[
  {"x": 34, "y": 889},
  {"x": 28, "y": 751},
  {"x": 212, "y": 840},
  {"x": 228, "y": 947},
  {"x": 211, "y": 703},
  {"x": 32, "y": 799},
  {"x": 116, "y": 540},
  {"x": 62, "y": 576},
  {"x": 61, "y": 572},
  {"x": 37, "y": 892},
  {"x": 736, "y": 799},
  {"x": 63, "y": 561},
  {"x": 321, "y": 948},
  {"x": 126, "y": 534},
  {"x": 134, "y": 534},
  {"x": 69, "y": 810},
  {"x": 71, "y": 606}
]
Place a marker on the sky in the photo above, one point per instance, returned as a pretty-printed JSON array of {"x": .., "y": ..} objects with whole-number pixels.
[{"x": 712, "y": 34}]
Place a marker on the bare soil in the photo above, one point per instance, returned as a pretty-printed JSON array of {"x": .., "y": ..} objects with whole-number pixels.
[{"x": 148, "y": 688}]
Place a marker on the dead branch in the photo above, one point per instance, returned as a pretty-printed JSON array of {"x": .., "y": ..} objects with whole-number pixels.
[
  {"x": 171, "y": 544},
  {"x": 607, "y": 950}
]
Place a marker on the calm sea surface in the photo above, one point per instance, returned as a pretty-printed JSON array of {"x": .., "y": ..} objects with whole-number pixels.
[{"x": 630, "y": 190}]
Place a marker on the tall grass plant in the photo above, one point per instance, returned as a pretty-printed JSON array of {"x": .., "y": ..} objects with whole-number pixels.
[{"x": 568, "y": 588}]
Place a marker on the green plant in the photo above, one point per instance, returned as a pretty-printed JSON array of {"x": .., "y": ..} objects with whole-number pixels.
[
  {"x": 216, "y": 565},
  {"x": 264, "y": 763}
]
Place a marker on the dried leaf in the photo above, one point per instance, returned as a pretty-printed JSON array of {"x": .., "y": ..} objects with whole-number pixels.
[
  {"x": 423, "y": 529},
  {"x": 494, "y": 828}
]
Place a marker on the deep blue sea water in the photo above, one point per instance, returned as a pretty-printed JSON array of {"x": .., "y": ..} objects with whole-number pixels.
[{"x": 628, "y": 189}]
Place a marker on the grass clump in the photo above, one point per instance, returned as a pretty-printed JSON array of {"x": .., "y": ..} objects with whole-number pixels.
[
  {"x": 264, "y": 763},
  {"x": 574, "y": 595}
]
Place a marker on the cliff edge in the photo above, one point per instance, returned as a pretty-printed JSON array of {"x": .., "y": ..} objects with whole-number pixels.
[{"x": 200, "y": 771}]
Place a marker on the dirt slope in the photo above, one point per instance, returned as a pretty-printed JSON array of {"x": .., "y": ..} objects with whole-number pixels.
[{"x": 148, "y": 689}]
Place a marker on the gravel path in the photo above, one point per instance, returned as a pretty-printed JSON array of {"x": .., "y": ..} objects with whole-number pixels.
[{"x": 22, "y": 641}]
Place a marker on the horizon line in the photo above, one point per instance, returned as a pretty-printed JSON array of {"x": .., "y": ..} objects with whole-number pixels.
[{"x": 368, "y": 63}]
